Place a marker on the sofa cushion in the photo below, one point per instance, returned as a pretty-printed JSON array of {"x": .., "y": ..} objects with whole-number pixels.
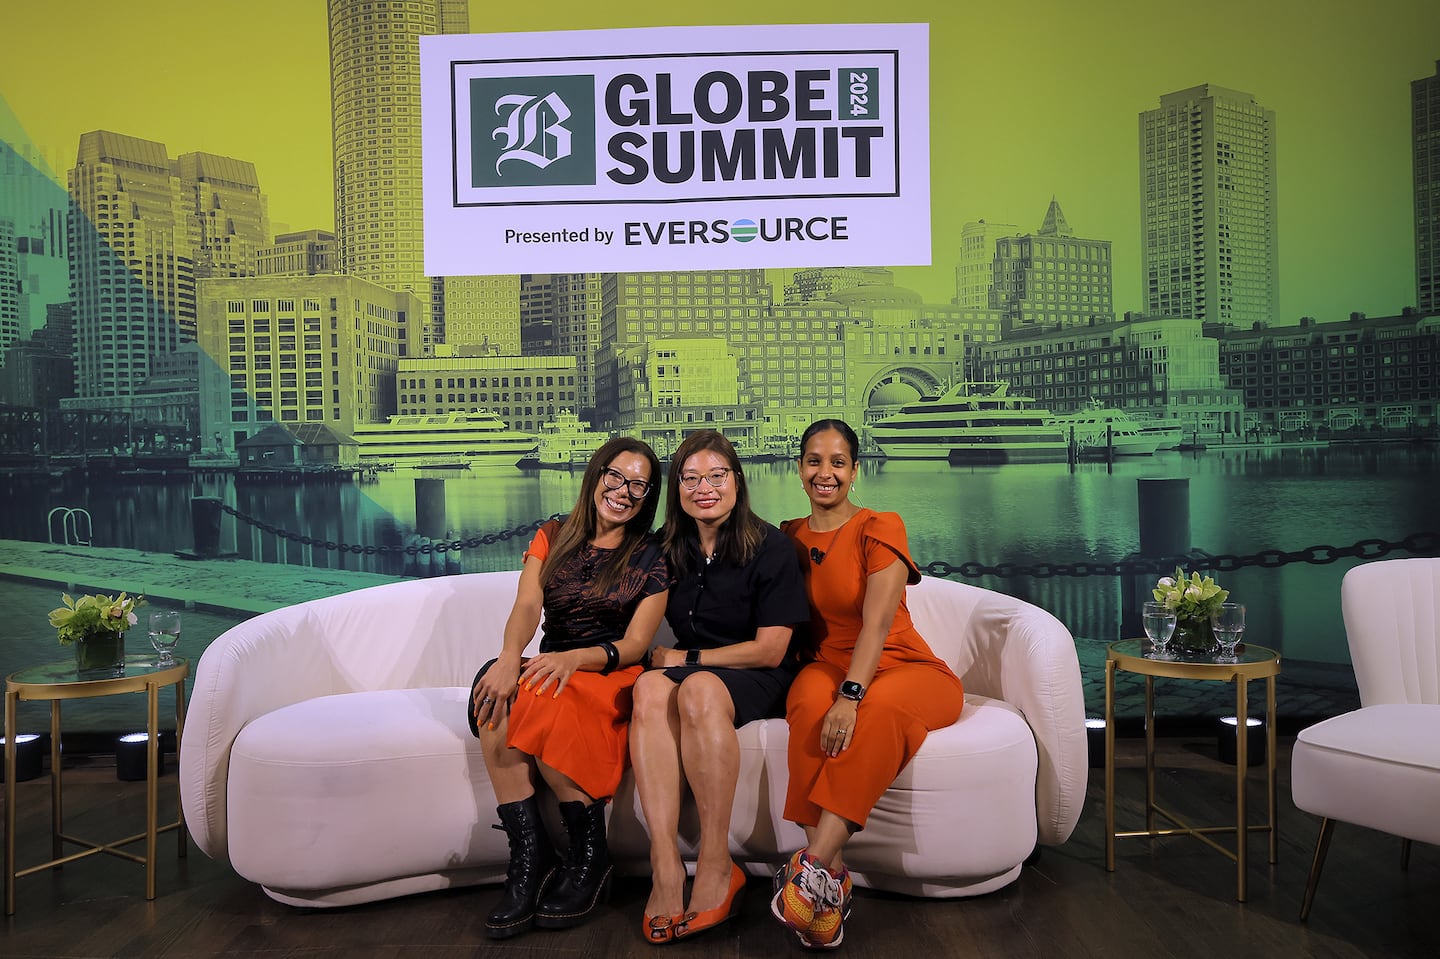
[{"x": 1377, "y": 766}]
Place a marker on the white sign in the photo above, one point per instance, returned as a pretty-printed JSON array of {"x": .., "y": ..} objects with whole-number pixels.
[{"x": 676, "y": 148}]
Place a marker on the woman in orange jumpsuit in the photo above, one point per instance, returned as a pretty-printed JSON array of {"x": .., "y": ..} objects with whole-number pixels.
[{"x": 862, "y": 707}]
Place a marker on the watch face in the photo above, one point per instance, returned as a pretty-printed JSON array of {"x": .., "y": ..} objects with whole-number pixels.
[{"x": 852, "y": 690}]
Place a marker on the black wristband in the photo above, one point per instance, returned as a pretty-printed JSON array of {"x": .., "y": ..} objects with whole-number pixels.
[
  {"x": 692, "y": 657},
  {"x": 612, "y": 658}
]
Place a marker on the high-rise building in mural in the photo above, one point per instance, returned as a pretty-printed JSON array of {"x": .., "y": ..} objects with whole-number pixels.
[
  {"x": 480, "y": 314},
  {"x": 975, "y": 271},
  {"x": 561, "y": 313},
  {"x": 1208, "y": 236},
  {"x": 225, "y": 213},
  {"x": 132, "y": 263},
  {"x": 1052, "y": 278},
  {"x": 1425, "y": 147},
  {"x": 36, "y": 207},
  {"x": 375, "y": 104},
  {"x": 142, "y": 229}
]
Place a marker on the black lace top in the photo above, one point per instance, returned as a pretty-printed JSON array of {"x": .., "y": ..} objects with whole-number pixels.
[{"x": 574, "y": 617}]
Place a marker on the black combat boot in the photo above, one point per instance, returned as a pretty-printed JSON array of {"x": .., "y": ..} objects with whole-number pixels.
[
  {"x": 532, "y": 863},
  {"x": 585, "y": 876}
]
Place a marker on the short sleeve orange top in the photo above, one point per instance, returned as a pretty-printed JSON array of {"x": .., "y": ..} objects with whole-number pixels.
[{"x": 837, "y": 565}]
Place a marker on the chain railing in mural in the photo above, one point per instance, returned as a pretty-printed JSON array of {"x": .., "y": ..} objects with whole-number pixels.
[
  {"x": 1417, "y": 544},
  {"x": 414, "y": 549}
]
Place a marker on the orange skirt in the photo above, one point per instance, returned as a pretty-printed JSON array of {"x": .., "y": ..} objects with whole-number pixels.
[{"x": 582, "y": 734}]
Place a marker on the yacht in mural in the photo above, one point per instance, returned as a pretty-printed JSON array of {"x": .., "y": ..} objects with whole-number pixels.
[
  {"x": 568, "y": 441},
  {"x": 472, "y": 440},
  {"x": 972, "y": 422},
  {"x": 1097, "y": 429}
]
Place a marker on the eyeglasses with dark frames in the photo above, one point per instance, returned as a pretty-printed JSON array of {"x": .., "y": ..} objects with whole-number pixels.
[
  {"x": 717, "y": 478},
  {"x": 614, "y": 479}
]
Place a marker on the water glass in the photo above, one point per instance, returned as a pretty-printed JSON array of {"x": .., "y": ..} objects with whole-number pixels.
[
  {"x": 1159, "y": 625},
  {"x": 1228, "y": 624},
  {"x": 165, "y": 634}
]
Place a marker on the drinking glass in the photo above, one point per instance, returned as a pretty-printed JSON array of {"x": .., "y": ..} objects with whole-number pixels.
[
  {"x": 1228, "y": 623},
  {"x": 1159, "y": 625},
  {"x": 165, "y": 634}
]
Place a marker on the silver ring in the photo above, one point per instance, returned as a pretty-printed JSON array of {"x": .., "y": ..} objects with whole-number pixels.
[
  {"x": 841, "y": 730},
  {"x": 485, "y": 701}
]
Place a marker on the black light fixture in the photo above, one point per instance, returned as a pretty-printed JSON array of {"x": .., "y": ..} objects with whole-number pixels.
[
  {"x": 28, "y": 752},
  {"x": 131, "y": 755},
  {"x": 1225, "y": 740},
  {"x": 1095, "y": 739}
]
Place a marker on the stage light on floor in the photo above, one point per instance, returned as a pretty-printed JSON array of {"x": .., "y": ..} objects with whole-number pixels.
[
  {"x": 130, "y": 757},
  {"x": 28, "y": 753},
  {"x": 1095, "y": 739},
  {"x": 1254, "y": 740}
]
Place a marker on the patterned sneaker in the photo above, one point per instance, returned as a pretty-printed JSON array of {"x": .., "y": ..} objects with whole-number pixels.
[
  {"x": 827, "y": 929},
  {"x": 800, "y": 887}
]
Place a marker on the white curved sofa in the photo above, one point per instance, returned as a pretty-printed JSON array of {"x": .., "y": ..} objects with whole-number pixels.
[{"x": 326, "y": 753}]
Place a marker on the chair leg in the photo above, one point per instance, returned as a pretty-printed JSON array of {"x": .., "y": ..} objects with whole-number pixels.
[
  {"x": 1322, "y": 846},
  {"x": 1404, "y": 855}
]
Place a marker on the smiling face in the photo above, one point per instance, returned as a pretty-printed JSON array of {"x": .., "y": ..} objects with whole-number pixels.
[
  {"x": 827, "y": 469},
  {"x": 616, "y": 507},
  {"x": 705, "y": 504}
]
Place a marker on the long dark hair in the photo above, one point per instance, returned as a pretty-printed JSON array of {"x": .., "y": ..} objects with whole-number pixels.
[
  {"x": 740, "y": 536},
  {"x": 825, "y": 426},
  {"x": 578, "y": 528}
]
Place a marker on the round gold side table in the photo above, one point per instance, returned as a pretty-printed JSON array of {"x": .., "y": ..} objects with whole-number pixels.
[
  {"x": 57, "y": 682},
  {"x": 1250, "y": 662}
]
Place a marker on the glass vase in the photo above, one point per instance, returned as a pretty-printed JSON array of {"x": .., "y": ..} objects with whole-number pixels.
[
  {"x": 1194, "y": 636},
  {"x": 100, "y": 655}
]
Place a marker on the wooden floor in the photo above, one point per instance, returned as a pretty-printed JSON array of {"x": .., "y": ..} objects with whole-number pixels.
[{"x": 1169, "y": 897}]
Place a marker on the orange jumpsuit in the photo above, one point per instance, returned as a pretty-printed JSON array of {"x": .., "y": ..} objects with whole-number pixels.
[{"x": 913, "y": 691}]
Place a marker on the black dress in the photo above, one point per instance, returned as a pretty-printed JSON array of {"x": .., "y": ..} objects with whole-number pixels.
[{"x": 719, "y": 604}]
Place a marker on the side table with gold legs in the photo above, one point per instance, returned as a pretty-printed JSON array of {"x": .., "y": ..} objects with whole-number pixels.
[
  {"x": 57, "y": 682},
  {"x": 1250, "y": 662}
]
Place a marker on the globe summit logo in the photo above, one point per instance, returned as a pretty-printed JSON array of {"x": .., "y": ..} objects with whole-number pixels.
[{"x": 764, "y": 125}]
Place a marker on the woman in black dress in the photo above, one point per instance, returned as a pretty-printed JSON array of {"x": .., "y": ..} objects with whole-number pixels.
[
  {"x": 561, "y": 716},
  {"x": 736, "y": 597}
]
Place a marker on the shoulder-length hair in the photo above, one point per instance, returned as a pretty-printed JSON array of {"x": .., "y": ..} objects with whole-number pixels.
[
  {"x": 579, "y": 527},
  {"x": 740, "y": 536}
]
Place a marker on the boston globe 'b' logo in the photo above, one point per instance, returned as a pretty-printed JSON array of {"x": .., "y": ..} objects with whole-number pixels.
[{"x": 532, "y": 131}]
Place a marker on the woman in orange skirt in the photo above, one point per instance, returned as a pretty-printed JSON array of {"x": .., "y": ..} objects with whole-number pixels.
[
  {"x": 601, "y": 580},
  {"x": 862, "y": 707}
]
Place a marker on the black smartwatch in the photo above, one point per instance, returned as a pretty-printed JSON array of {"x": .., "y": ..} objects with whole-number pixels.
[
  {"x": 692, "y": 657},
  {"x": 852, "y": 690}
]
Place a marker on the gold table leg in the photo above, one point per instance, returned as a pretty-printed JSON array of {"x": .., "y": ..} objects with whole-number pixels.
[
  {"x": 1270, "y": 769},
  {"x": 1150, "y": 754},
  {"x": 1242, "y": 765},
  {"x": 1109, "y": 765},
  {"x": 10, "y": 699}
]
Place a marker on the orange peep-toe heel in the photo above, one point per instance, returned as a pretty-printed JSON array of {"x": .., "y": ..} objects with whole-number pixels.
[{"x": 697, "y": 922}]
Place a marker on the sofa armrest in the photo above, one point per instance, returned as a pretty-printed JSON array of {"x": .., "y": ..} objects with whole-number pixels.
[
  {"x": 1011, "y": 650},
  {"x": 415, "y": 634}
]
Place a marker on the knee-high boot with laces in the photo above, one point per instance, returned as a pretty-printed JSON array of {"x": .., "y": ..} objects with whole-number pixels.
[
  {"x": 585, "y": 876},
  {"x": 532, "y": 864}
]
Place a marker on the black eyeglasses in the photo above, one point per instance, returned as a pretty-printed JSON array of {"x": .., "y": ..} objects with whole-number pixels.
[
  {"x": 717, "y": 478},
  {"x": 614, "y": 479}
]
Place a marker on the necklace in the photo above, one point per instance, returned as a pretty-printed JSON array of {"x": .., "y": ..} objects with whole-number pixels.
[{"x": 817, "y": 555}]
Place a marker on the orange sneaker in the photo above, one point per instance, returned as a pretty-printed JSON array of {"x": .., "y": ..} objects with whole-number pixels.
[
  {"x": 801, "y": 887},
  {"x": 827, "y": 929}
]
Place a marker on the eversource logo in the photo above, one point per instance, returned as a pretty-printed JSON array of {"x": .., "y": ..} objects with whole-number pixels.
[{"x": 532, "y": 131}]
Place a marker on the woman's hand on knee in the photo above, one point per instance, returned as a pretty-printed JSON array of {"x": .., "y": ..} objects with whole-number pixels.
[{"x": 494, "y": 692}]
